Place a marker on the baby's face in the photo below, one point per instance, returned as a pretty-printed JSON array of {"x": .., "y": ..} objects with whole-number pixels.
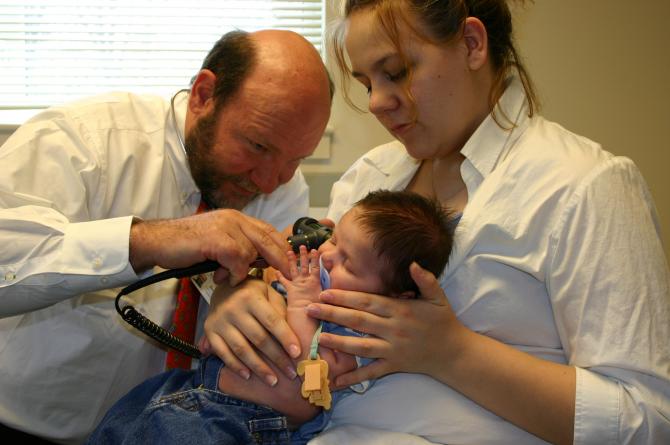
[{"x": 350, "y": 259}]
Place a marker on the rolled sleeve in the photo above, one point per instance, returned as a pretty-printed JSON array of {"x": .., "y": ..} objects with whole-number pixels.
[
  {"x": 609, "y": 286},
  {"x": 596, "y": 409}
]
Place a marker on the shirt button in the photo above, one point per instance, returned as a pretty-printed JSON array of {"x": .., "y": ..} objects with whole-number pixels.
[
  {"x": 97, "y": 263},
  {"x": 10, "y": 276},
  {"x": 184, "y": 195}
]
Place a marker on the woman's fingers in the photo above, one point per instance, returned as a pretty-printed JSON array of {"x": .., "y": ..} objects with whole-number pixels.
[
  {"x": 374, "y": 370},
  {"x": 380, "y": 305},
  {"x": 356, "y": 319},
  {"x": 370, "y": 347},
  {"x": 406, "y": 335}
]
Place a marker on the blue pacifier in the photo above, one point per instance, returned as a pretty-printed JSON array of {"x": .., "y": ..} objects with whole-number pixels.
[{"x": 325, "y": 277}]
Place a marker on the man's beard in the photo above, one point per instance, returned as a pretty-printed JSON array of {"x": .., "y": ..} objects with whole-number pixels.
[{"x": 202, "y": 163}]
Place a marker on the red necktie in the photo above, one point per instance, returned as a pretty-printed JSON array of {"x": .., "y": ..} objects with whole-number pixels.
[{"x": 185, "y": 317}]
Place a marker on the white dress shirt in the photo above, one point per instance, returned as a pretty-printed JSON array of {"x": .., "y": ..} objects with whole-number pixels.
[
  {"x": 558, "y": 254},
  {"x": 72, "y": 178}
]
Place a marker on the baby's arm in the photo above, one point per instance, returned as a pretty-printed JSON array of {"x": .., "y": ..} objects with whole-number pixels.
[{"x": 302, "y": 289}]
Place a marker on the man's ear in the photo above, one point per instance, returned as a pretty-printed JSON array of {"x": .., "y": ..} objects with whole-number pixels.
[
  {"x": 476, "y": 40},
  {"x": 201, "y": 99}
]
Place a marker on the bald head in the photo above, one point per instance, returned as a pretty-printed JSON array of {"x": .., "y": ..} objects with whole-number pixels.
[
  {"x": 285, "y": 57},
  {"x": 293, "y": 58},
  {"x": 289, "y": 79}
]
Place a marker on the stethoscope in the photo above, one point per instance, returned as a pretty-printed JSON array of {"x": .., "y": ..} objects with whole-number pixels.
[
  {"x": 134, "y": 317},
  {"x": 174, "y": 118}
]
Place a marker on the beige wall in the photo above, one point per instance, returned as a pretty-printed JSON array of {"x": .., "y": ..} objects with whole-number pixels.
[
  {"x": 5, "y": 132},
  {"x": 602, "y": 68}
]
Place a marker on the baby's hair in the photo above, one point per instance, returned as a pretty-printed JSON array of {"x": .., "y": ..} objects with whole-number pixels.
[{"x": 405, "y": 227}]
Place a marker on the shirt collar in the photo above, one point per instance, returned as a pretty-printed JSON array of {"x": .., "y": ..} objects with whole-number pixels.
[
  {"x": 487, "y": 146},
  {"x": 189, "y": 195},
  {"x": 490, "y": 143},
  {"x": 393, "y": 163}
]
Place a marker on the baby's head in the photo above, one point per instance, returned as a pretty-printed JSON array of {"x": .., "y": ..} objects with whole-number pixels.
[{"x": 375, "y": 242}]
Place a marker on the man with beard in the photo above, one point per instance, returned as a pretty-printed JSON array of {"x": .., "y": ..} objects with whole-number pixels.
[{"x": 96, "y": 193}]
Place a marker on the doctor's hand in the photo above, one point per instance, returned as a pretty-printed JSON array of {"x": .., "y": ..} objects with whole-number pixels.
[
  {"x": 409, "y": 335},
  {"x": 246, "y": 319},
  {"x": 227, "y": 236}
]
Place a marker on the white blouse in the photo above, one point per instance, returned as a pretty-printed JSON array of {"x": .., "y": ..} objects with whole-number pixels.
[{"x": 558, "y": 253}]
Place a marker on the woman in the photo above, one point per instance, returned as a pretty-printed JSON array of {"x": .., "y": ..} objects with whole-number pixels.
[{"x": 557, "y": 310}]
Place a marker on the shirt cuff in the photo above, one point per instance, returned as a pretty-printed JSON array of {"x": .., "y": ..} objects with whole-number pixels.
[
  {"x": 99, "y": 249},
  {"x": 596, "y": 409}
]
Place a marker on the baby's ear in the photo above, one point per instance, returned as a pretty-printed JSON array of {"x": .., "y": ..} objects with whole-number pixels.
[{"x": 407, "y": 295}]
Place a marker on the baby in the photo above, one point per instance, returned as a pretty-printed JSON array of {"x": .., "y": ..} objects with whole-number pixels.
[{"x": 370, "y": 251}]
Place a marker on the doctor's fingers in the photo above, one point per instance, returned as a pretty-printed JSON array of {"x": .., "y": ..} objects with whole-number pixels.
[
  {"x": 252, "y": 315},
  {"x": 216, "y": 345},
  {"x": 270, "y": 243},
  {"x": 218, "y": 236},
  {"x": 274, "y": 338},
  {"x": 237, "y": 351},
  {"x": 235, "y": 240},
  {"x": 262, "y": 328}
]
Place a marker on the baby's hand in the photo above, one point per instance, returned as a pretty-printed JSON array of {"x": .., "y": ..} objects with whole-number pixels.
[{"x": 304, "y": 284}]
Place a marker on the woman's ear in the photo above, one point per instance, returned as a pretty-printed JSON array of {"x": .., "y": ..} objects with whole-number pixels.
[
  {"x": 476, "y": 40},
  {"x": 201, "y": 99}
]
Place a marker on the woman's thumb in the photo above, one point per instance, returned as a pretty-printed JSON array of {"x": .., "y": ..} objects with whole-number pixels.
[{"x": 429, "y": 287}]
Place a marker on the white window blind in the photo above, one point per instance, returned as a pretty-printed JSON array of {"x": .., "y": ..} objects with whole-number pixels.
[{"x": 53, "y": 51}]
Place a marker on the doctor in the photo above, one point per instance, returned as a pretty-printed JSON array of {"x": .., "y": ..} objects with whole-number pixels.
[{"x": 94, "y": 193}]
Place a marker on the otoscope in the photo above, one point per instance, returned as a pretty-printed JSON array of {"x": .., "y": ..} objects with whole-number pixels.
[{"x": 307, "y": 232}]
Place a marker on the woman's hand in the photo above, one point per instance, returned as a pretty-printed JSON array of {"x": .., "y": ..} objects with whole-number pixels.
[
  {"x": 409, "y": 335},
  {"x": 246, "y": 319},
  {"x": 424, "y": 336}
]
